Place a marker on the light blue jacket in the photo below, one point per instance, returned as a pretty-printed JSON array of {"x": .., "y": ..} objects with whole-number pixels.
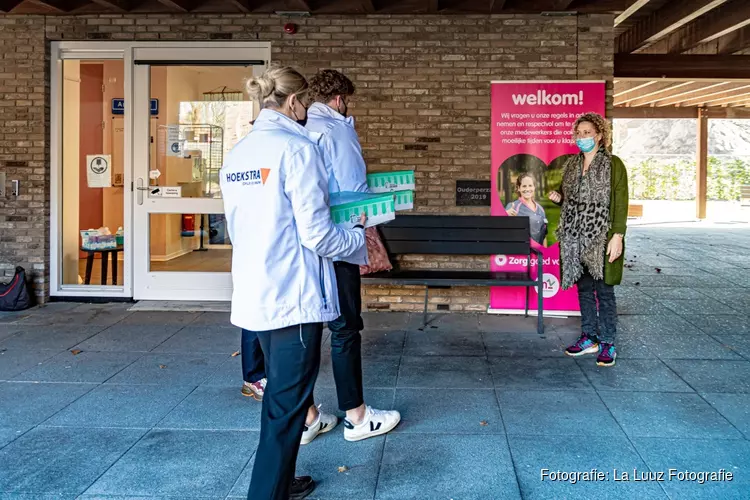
[
  {"x": 274, "y": 186},
  {"x": 342, "y": 155}
]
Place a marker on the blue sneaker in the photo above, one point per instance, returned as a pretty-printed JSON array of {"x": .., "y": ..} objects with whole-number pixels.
[
  {"x": 584, "y": 345},
  {"x": 607, "y": 355}
]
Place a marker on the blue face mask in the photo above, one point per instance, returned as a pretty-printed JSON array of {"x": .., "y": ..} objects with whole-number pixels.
[{"x": 586, "y": 144}]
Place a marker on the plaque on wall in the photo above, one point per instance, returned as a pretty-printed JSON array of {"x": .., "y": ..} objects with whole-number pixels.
[{"x": 473, "y": 193}]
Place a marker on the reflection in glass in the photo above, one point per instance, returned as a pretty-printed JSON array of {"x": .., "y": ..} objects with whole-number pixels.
[{"x": 189, "y": 243}]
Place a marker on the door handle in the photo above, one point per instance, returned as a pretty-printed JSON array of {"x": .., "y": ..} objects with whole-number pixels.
[{"x": 140, "y": 188}]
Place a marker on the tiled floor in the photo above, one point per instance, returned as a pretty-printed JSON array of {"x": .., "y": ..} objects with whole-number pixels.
[{"x": 150, "y": 407}]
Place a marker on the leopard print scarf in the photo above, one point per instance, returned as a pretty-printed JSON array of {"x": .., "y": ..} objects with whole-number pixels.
[{"x": 584, "y": 217}]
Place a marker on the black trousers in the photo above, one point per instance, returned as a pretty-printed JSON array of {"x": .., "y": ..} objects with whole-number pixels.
[
  {"x": 292, "y": 357},
  {"x": 253, "y": 364},
  {"x": 346, "y": 341}
]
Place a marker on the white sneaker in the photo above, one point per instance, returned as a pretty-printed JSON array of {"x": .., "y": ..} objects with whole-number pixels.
[
  {"x": 324, "y": 423},
  {"x": 375, "y": 423}
]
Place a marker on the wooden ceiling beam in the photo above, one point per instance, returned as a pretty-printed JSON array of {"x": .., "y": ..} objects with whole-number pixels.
[
  {"x": 688, "y": 67},
  {"x": 635, "y": 6},
  {"x": 664, "y": 21},
  {"x": 119, "y": 6},
  {"x": 179, "y": 5},
  {"x": 8, "y": 5},
  {"x": 737, "y": 41},
  {"x": 663, "y": 87},
  {"x": 621, "y": 90},
  {"x": 694, "y": 88},
  {"x": 694, "y": 101},
  {"x": 683, "y": 112},
  {"x": 433, "y": 6},
  {"x": 496, "y": 6},
  {"x": 716, "y": 24}
]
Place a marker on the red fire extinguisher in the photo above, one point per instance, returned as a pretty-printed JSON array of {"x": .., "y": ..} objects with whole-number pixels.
[{"x": 188, "y": 225}]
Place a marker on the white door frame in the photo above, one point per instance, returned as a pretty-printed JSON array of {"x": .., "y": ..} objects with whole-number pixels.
[
  {"x": 138, "y": 282},
  {"x": 174, "y": 285},
  {"x": 61, "y": 51}
]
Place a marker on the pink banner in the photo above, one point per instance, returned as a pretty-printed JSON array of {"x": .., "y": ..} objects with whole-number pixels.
[{"x": 532, "y": 133}]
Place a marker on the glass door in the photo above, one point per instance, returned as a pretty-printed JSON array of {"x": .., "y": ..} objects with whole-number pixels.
[{"x": 190, "y": 110}]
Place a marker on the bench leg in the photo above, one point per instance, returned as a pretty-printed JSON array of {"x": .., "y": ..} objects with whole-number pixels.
[
  {"x": 424, "y": 315},
  {"x": 540, "y": 306},
  {"x": 528, "y": 293}
]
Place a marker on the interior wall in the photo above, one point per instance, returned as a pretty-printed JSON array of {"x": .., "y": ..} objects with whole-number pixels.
[
  {"x": 114, "y": 145},
  {"x": 91, "y": 143},
  {"x": 71, "y": 117}
]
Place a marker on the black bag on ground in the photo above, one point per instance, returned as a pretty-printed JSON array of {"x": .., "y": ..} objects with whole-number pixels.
[{"x": 14, "y": 296}]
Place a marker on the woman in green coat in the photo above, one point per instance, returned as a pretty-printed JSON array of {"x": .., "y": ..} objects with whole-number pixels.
[{"x": 591, "y": 231}]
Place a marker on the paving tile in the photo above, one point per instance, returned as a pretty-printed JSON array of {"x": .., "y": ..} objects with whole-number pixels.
[
  {"x": 715, "y": 375},
  {"x": 656, "y": 325},
  {"x": 84, "y": 314},
  {"x": 544, "y": 468},
  {"x": 665, "y": 293},
  {"x": 161, "y": 318},
  {"x": 50, "y": 337},
  {"x": 179, "y": 463},
  {"x": 738, "y": 343},
  {"x": 133, "y": 338},
  {"x": 113, "y": 405},
  {"x": 377, "y": 371},
  {"x": 500, "y": 323},
  {"x": 204, "y": 340},
  {"x": 395, "y": 321},
  {"x": 701, "y": 307},
  {"x": 35, "y": 403},
  {"x": 454, "y": 322},
  {"x": 218, "y": 319},
  {"x": 228, "y": 373},
  {"x": 385, "y": 342},
  {"x": 643, "y": 305},
  {"x": 430, "y": 411},
  {"x": 633, "y": 375},
  {"x": 667, "y": 414},
  {"x": 672, "y": 346},
  {"x": 77, "y": 458},
  {"x": 15, "y": 361},
  {"x": 554, "y": 413},
  {"x": 8, "y": 331},
  {"x": 36, "y": 496},
  {"x": 444, "y": 343},
  {"x": 456, "y": 372},
  {"x": 722, "y": 324},
  {"x": 9, "y": 434},
  {"x": 537, "y": 374},
  {"x": 178, "y": 369},
  {"x": 93, "y": 367},
  {"x": 428, "y": 466},
  {"x": 734, "y": 407},
  {"x": 212, "y": 407},
  {"x": 149, "y": 497},
  {"x": 676, "y": 456},
  {"x": 659, "y": 280},
  {"x": 525, "y": 345},
  {"x": 322, "y": 459}
]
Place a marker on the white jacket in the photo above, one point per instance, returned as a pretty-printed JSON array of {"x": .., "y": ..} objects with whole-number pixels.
[
  {"x": 274, "y": 186},
  {"x": 342, "y": 155}
]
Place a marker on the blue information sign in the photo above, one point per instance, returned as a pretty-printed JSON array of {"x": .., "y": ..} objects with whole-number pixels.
[{"x": 118, "y": 106}]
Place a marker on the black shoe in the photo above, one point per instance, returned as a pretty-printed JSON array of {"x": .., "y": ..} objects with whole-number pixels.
[{"x": 301, "y": 487}]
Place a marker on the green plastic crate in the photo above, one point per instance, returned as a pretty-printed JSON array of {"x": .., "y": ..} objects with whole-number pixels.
[
  {"x": 379, "y": 209},
  {"x": 386, "y": 182}
]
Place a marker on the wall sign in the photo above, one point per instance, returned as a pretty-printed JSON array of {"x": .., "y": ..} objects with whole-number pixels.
[
  {"x": 473, "y": 193},
  {"x": 99, "y": 171},
  {"x": 118, "y": 106}
]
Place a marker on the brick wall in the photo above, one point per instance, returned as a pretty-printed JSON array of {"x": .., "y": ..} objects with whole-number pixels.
[{"x": 422, "y": 101}]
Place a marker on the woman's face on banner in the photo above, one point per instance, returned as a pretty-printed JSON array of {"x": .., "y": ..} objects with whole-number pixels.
[{"x": 527, "y": 188}]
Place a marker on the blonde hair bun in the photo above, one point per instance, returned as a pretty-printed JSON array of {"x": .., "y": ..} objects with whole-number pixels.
[{"x": 261, "y": 87}]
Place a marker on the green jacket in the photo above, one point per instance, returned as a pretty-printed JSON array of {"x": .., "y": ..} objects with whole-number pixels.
[{"x": 618, "y": 216}]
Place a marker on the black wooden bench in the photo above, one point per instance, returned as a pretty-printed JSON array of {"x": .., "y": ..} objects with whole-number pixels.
[{"x": 459, "y": 235}]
